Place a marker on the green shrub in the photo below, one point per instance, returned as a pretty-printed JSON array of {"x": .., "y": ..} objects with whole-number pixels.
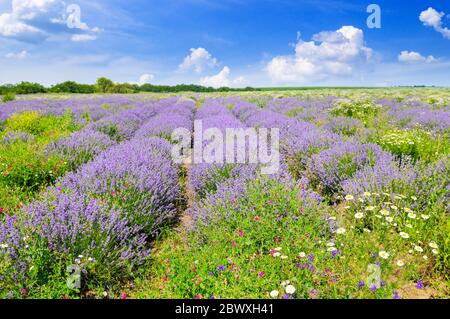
[
  {"x": 363, "y": 110},
  {"x": 8, "y": 97}
]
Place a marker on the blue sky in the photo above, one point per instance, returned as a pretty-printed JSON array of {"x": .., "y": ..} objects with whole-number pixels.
[{"x": 232, "y": 43}]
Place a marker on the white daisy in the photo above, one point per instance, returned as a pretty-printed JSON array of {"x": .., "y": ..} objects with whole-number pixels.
[
  {"x": 274, "y": 293},
  {"x": 302, "y": 255},
  {"x": 404, "y": 235},
  {"x": 340, "y": 231},
  {"x": 400, "y": 263},
  {"x": 290, "y": 289},
  {"x": 359, "y": 215},
  {"x": 383, "y": 254},
  {"x": 349, "y": 197}
]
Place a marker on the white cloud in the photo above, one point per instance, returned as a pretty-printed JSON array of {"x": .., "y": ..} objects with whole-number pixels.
[
  {"x": 330, "y": 53},
  {"x": 414, "y": 57},
  {"x": 17, "y": 55},
  {"x": 433, "y": 18},
  {"x": 83, "y": 37},
  {"x": 145, "y": 78},
  {"x": 36, "y": 20},
  {"x": 219, "y": 80},
  {"x": 199, "y": 59},
  {"x": 13, "y": 28}
]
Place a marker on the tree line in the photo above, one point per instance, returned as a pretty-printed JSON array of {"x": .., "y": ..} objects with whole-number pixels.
[{"x": 105, "y": 85}]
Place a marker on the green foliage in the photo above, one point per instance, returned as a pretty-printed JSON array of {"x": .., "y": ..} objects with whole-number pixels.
[
  {"x": 417, "y": 143},
  {"x": 104, "y": 85},
  {"x": 25, "y": 167},
  {"x": 73, "y": 87},
  {"x": 8, "y": 97},
  {"x": 363, "y": 110}
]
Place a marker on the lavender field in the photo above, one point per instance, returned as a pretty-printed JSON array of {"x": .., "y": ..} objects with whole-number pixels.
[{"x": 93, "y": 205}]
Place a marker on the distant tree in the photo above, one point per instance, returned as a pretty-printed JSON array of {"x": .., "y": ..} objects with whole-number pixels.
[
  {"x": 72, "y": 87},
  {"x": 104, "y": 85},
  {"x": 29, "y": 88}
]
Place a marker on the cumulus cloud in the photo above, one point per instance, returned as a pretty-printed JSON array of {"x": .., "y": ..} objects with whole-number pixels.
[
  {"x": 330, "y": 53},
  {"x": 219, "y": 80},
  {"x": 17, "y": 55},
  {"x": 414, "y": 57},
  {"x": 36, "y": 20},
  {"x": 83, "y": 37},
  {"x": 199, "y": 59},
  {"x": 145, "y": 78},
  {"x": 433, "y": 18}
]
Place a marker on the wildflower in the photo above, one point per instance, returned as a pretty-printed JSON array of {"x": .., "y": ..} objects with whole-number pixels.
[
  {"x": 404, "y": 235},
  {"x": 419, "y": 284},
  {"x": 407, "y": 210},
  {"x": 369, "y": 208},
  {"x": 241, "y": 233},
  {"x": 1, "y": 210},
  {"x": 256, "y": 218},
  {"x": 284, "y": 257},
  {"x": 389, "y": 219},
  {"x": 123, "y": 296},
  {"x": 414, "y": 198},
  {"x": 433, "y": 245},
  {"x": 396, "y": 295},
  {"x": 278, "y": 249},
  {"x": 373, "y": 288},
  {"x": 290, "y": 289},
  {"x": 412, "y": 215},
  {"x": 302, "y": 255},
  {"x": 4, "y": 246},
  {"x": 331, "y": 249},
  {"x": 274, "y": 293},
  {"x": 105, "y": 294},
  {"x": 418, "y": 249},
  {"x": 198, "y": 297},
  {"x": 349, "y": 197},
  {"x": 409, "y": 226},
  {"x": 340, "y": 231},
  {"x": 261, "y": 274},
  {"x": 284, "y": 283},
  {"x": 277, "y": 254},
  {"x": 360, "y": 284},
  {"x": 359, "y": 215},
  {"x": 23, "y": 291},
  {"x": 330, "y": 244},
  {"x": 394, "y": 207},
  {"x": 425, "y": 217},
  {"x": 277, "y": 239},
  {"x": 425, "y": 257},
  {"x": 220, "y": 268},
  {"x": 383, "y": 254},
  {"x": 384, "y": 212},
  {"x": 367, "y": 194},
  {"x": 400, "y": 263},
  {"x": 332, "y": 218},
  {"x": 367, "y": 230},
  {"x": 435, "y": 251}
]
